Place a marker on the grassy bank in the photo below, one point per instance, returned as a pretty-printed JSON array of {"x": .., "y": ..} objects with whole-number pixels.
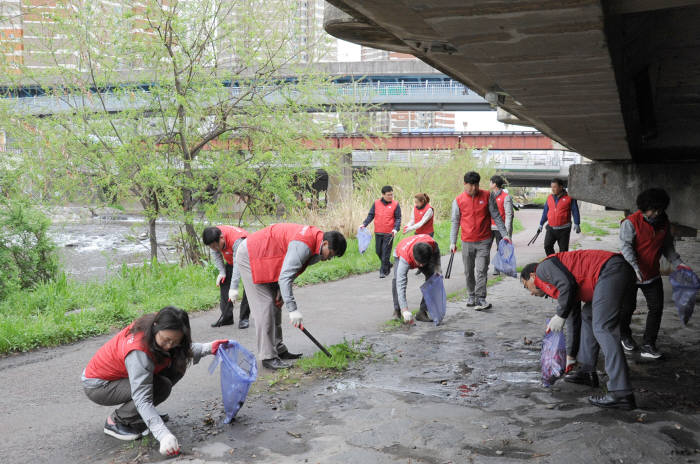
[{"x": 64, "y": 311}]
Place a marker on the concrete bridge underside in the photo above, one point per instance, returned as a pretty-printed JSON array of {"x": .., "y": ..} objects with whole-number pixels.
[{"x": 614, "y": 80}]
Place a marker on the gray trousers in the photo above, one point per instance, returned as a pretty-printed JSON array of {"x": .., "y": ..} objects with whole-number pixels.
[
  {"x": 600, "y": 325},
  {"x": 266, "y": 316},
  {"x": 119, "y": 391},
  {"x": 476, "y": 257},
  {"x": 573, "y": 331}
]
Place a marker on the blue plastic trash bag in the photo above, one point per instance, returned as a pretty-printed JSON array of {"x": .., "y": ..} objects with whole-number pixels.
[
  {"x": 685, "y": 284},
  {"x": 364, "y": 236},
  {"x": 435, "y": 297},
  {"x": 504, "y": 260},
  {"x": 553, "y": 357},
  {"x": 238, "y": 371}
]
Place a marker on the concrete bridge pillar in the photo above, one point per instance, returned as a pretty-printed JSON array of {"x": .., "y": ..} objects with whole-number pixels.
[{"x": 340, "y": 179}]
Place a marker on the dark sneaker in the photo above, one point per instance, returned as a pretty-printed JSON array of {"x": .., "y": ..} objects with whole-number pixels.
[
  {"x": 650, "y": 352},
  {"x": 482, "y": 304},
  {"x": 243, "y": 324},
  {"x": 382, "y": 275},
  {"x": 582, "y": 377},
  {"x": 614, "y": 402},
  {"x": 471, "y": 301},
  {"x": 222, "y": 321},
  {"x": 275, "y": 364},
  {"x": 121, "y": 431},
  {"x": 288, "y": 355},
  {"x": 423, "y": 316},
  {"x": 628, "y": 344}
]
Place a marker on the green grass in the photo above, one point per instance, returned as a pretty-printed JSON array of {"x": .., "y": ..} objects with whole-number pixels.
[
  {"x": 342, "y": 355},
  {"x": 30, "y": 319},
  {"x": 610, "y": 223},
  {"x": 517, "y": 226},
  {"x": 352, "y": 262},
  {"x": 589, "y": 229},
  {"x": 539, "y": 199}
]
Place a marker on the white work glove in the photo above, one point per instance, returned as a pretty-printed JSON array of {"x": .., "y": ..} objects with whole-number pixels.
[
  {"x": 169, "y": 445},
  {"x": 232, "y": 294},
  {"x": 394, "y": 232},
  {"x": 220, "y": 279},
  {"x": 362, "y": 226},
  {"x": 577, "y": 228},
  {"x": 556, "y": 323},
  {"x": 539, "y": 229},
  {"x": 407, "y": 316},
  {"x": 640, "y": 277},
  {"x": 453, "y": 248},
  {"x": 297, "y": 319}
]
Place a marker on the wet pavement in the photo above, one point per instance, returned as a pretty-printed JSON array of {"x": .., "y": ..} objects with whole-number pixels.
[{"x": 466, "y": 391}]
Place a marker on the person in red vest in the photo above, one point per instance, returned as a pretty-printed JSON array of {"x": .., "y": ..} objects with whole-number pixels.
[
  {"x": 274, "y": 256},
  {"x": 602, "y": 280},
  {"x": 557, "y": 213},
  {"x": 505, "y": 208},
  {"x": 422, "y": 216},
  {"x": 419, "y": 251},
  {"x": 224, "y": 242},
  {"x": 386, "y": 214},
  {"x": 644, "y": 237},
  {"x": 137, "y": 368},
  {"x": 472, "y": 211}
]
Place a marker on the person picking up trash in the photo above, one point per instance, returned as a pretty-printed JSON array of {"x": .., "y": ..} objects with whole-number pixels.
[
  {"x": 137, "y": 368},
  {"x": 276, "y": 255},
  {"x": 601, "y": 280},
  {"x": 418, "y": 251}
]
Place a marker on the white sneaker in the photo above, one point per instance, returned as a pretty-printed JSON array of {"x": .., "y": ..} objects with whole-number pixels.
[{"x": 482, "y": 304}]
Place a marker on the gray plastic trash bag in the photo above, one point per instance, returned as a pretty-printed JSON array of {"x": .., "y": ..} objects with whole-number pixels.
[
  {"x": 364, "y": 236},
  {"x": 238, "y": 371},
  {"x": 685, "y": 284},
  {"x": 435, "y": 297},
  {"x": 504, "y": 259},
  {"x": 553, "y": 357}
]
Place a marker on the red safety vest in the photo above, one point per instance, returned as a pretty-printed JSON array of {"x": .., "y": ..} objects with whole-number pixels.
[
  {"x": 108, "y": 362},
  {"x": 418, "y": 214},
  {"x": 231, "y": 234},
  {"x": 500, "y": 201},
  {"x": 267, "y": 248},
  {"x": 384, "y": 216},
  {"x": 584, "y": 265},
  {"x": 648, "y": 243},
  {"x": 559, "y": 213},
  {"x": 475, "y": 218},
  {"x": 405, "y": 248}
]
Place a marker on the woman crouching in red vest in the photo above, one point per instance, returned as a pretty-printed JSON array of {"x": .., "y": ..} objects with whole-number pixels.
[{"x": 137, "y": 368}]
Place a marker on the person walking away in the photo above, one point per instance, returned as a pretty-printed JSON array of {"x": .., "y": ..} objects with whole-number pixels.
[
  {"x": 422, "y": 216},
  {"x": 274, "y": 256},
  {"x": 224, "y": 242},
  {"x": 419, "y": 251},
  {"x": 602, "y": 280},
  {"x": 505, "y": 208},
  {"x": 386, "y": 214},
  {"x": 557, "y": 213},
  {"x": 644, "y": 236},
  {"x": 138, "y": 368},
  {"x": 472, "y": 212}
]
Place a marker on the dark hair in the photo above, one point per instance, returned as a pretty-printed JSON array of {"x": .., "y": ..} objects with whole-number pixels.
[
  {"x": 498, "y": 180},
  {"x": 168, "y": 318},
  {"x": 422, "y": 197},
  {"x": 472, "y": 177},
  {"x": 387, "y": 189},
  {"x": 653, "y": 198},
  {"x": 211, "y": 235},
  {"x": 559, "y": 181},
  {"x": 422, "y": 252},
  {"x": 527, "y": 270},
  {"x": 336, "y": 242}
]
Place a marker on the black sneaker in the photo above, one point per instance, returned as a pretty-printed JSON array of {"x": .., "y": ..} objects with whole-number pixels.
[
  {"x": 628, "y": 344},
  {"x": 649, "y": 351},
  {"x": 121, "y": 431}
]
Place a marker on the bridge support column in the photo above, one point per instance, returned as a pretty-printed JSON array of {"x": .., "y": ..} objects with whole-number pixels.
[
  {"x": 340, "y": 180},
  {"x": 617, "y": 186}
]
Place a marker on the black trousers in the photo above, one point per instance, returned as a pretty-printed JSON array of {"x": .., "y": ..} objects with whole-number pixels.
[
  {"x": 225, "y": 305},
  {"x": 654, "y": 294},
  {"x": 382, "y": 246},
  {"x": 560, "y": 236}
]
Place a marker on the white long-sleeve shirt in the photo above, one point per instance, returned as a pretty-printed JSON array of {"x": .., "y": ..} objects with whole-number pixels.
[
  {"x": 412, "y": 223},
  {"x": 221, "y": 266}
]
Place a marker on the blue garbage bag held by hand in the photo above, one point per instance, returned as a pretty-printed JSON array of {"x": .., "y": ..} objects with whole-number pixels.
[
  {"x": 553, "y": 357},
  {"x": 238, "y": 371},
  {"x": 364, "y": 236},
  {"x": 685, "y": 284},
  {"x": 435, "y": 297},
  {"x": 504, "y": 260}
]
